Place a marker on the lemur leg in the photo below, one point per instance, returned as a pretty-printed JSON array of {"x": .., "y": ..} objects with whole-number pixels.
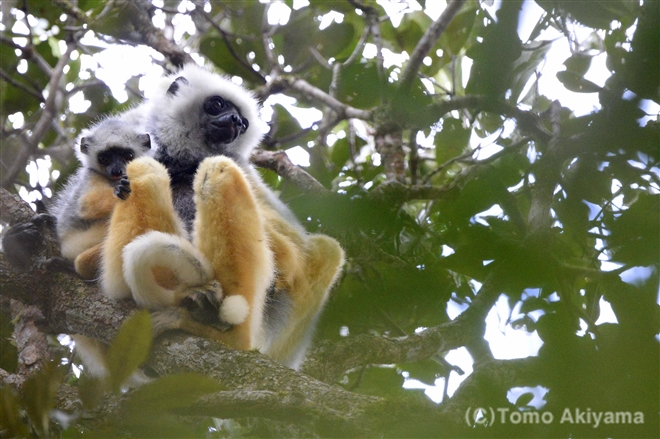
[
  {"x": 229, "y": 231},
  {"x": 88, "y": 262},
  {"x": 159, "y": 267},
  {"x": 149, "y": 207},
  {"x": 308, "y": 294}
]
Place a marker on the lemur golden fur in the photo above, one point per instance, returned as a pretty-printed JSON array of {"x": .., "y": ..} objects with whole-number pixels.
[
  {"x": 201, "y": 183},
  {"x": 83, "y": 207}
]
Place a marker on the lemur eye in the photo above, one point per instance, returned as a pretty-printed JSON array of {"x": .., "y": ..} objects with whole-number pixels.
[
  {"x": 103, "y": 160},
  {"x": 129, "y": 155},
  {"x": 214, "y": 105}
]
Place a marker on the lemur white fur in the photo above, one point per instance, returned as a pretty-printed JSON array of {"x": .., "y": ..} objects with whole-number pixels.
[
  {"x": 206, "y": 127},
  {"x": 188, "y": 264}
]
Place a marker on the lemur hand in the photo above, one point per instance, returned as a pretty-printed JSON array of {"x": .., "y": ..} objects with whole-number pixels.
[{"x": 123, "y": 187}]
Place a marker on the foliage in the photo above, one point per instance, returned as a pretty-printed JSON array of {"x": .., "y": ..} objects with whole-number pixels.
[{"x": 439, "y": 188}]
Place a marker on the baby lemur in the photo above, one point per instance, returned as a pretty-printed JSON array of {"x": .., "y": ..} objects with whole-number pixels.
[
  {"x": 200, "y": 184},
  {"x": 83, "y": 207}
]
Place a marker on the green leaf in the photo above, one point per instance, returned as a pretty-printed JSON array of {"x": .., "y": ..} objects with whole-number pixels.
[
  {"x": 451, "y": 141},
  {"x": 289, "y": 42},
  {"x": 381, "y": 381},
  {"x": 335, "y": 39},
  {"x": 526, "y": 65},
  {"x": 38, "y": 394},
  {"x": 524, "y": 399},
  {"x": 491, "y": 71},
  {"x": 91, "y": 390},
  {"x": 458, "y": 31},
  {"x": 635, "y": 234},
  {"x": 532, "y": 304},
  {"x": 597, "y": 14},
  {"x": 577, "y": 83},
  {"x": 578, "y": 63},
  {"x": 149, "y": 410},
  {"x": 11, "y": 422},
  {"x": 130, "y": 348},
  {"x": 360, "y": 86},
  {"x": 215, "y": 49},
  {"x": 171, "y": 392},
  {"x": 286, "y": 124},
  {"x": 426, "y": 371},
  {"x": 340, "y": 152}
]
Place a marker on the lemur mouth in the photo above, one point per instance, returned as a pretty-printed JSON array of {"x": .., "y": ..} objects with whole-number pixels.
[{"x": 223, "y": 132}]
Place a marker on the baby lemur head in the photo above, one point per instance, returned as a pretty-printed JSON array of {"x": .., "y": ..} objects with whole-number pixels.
[
  {"x": 108, "y": 146},
  {"x": 203, "y": 114}
]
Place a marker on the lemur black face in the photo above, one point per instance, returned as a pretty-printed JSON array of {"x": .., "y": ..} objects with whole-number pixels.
[
  {"x": 224, "y": 122},
  {"x": 112, "y": 161}
]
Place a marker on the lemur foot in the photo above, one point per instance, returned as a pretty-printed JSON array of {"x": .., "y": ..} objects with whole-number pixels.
[
  {"x": 21, "y": 243},
  {"x": 204, "y": 302},
  {"x": 217, "y": 174},
  {"x": 62, "y": 265}
]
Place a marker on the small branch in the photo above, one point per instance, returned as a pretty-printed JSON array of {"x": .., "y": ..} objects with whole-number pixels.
[
  {"x": 279, "y": 162},
  {"x": 51, "y": 108},
  {"x": 25, "y": 88},
  {"x": 527, "y": 121},
  {"x": 427, "y": 42},
  {"x": 266, "y": 38},
  {"x": 225, "y": 37},
  {"x": 359, "y": 48},
  {"x": 491, "y": 377},
  {"x": 28, "y": 52},
  {"x": 153, "y": 37},
  {"x": 547, "y": 172},
  {"x": 322, "y": 97}
]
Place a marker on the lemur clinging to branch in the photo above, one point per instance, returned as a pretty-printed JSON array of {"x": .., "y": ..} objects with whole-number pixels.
[{"x": 206, "y": 127}]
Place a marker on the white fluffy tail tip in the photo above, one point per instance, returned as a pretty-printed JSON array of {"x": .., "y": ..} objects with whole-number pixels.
[{"x": 234, "y": 310}]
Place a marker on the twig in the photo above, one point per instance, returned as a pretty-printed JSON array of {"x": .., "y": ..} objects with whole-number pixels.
[
  {"x": 319, "y": 95},
  {"x": 527, "y": 121},
  {"x": 53, "y": 102},
  {"x": 427, "y": 42},
  {"x": 279, "y": 162},
  {"x": 21, "y": 86}
]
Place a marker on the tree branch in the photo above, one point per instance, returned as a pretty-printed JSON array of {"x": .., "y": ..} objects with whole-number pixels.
[
  {"x": 154, "y": 37},
  {"x": 51, "y": 108},
  {"x": 309, "y": 91},
  {"x": 279, "y": 162},
  {"x": 13, "y": 210},
  {"x": 527, "y": 121},
  {"x": 426, "y": 43}
]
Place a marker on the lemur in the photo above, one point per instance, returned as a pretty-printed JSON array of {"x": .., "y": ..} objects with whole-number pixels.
[
  {"x": 206, "y": 127},
  {"x": 84, "y": 205}
]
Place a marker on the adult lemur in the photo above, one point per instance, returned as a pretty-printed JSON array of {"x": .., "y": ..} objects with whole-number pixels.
[
  {"x": 206, "y": 127},
  {"x": 83, "y": 207}
]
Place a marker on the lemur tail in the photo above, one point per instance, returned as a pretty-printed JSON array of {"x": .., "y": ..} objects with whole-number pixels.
[{"x": 155, "y": 263}]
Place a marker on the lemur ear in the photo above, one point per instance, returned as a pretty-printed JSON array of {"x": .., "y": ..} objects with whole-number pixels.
[
  {"x": 84, "y": 145},
  {"x": 145, "y": 141},
  {"x": 174, "y": 87}
]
